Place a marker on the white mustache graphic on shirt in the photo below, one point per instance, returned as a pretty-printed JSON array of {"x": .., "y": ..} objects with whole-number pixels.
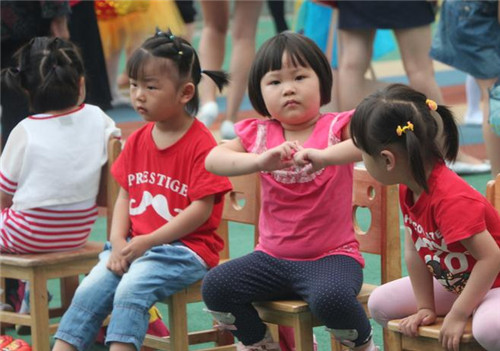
[{"x": 159, "y": 203}]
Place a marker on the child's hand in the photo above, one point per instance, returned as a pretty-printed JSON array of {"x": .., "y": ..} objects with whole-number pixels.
[
  {"x": 278, "y": 157},
  {"x": 410, "y": 324},
  {"x": 452, "y": 330},
  {"x": 136, "y": 247},
  {"x": 116, "y": 262},
  {"x": 311, "y": 159}
]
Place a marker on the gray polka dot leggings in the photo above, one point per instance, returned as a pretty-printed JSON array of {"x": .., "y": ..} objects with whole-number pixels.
[{"x": 329, "y": 285}]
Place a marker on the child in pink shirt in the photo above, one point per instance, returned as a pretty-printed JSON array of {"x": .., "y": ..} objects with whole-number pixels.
[{"x": 307, "y": 247}]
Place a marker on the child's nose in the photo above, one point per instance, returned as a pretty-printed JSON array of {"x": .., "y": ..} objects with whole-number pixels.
[
  {"x": 288, "y": 88},
  {"x": 139, "y": 94}
]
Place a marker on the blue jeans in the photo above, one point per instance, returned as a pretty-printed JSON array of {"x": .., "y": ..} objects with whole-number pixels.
[{"x": 160, "y": 272}]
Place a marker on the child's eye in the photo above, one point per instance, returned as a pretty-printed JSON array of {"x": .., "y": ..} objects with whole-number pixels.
[
  {"x": 274, "y": 82},
  {"x": 133, "y": 84},
  {"x": 300, "y": 77},
  {"x": 151, "y": 87}
]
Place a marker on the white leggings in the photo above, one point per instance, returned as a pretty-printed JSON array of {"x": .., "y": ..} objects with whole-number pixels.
[{"x": 396, "y": 300}]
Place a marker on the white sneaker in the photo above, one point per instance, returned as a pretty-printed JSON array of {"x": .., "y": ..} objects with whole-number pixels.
[
  {"x": 266, "y": 344},
  {"x": 208, "y": 113},
  {"x": 227, "y": 130},
  {"x": 469, "y": 168}
]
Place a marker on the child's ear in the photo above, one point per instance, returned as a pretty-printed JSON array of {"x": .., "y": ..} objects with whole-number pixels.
[
  {"x": 389, "y": 158},
  {"x": 187, "y": 92}
]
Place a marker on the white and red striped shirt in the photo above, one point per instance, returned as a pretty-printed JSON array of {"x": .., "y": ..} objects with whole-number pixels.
[
  {"x": 51, "y": 167},
  {"x": 45, "y": 230}
]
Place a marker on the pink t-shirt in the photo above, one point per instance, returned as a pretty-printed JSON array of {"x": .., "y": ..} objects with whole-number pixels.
[{"x": 304, "y": 217}]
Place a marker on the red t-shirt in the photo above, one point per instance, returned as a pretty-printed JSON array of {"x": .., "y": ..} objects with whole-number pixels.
[
  {"x": 452, "y": 211},
  {"x": 162, "y": 183}
]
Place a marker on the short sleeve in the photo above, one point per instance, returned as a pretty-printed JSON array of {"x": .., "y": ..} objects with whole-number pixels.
[
  {"x": 110, "y": 131},
  {"x": 119, "y": 168},
  {"x": 247, "y": 130},
  {"x": 460, "y": 217},
  {"x": 342, "y": 120},
  {"x": 11, "y": 161},
  {"x": 202, "y": 182}
]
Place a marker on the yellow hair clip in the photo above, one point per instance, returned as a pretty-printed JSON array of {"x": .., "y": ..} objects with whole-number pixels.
[
  {"x": 432, "y": 104},
  {"x": 400, "y": 130}
]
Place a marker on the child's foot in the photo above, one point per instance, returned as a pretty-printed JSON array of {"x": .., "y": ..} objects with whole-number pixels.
[
  {"x": 266, "y": 344},
  {"x": 208, "y": 113},
  {"x": 227, "y": 130},
  {"x": 6, "y": 307},
  {"x": 17, "y": 345}
]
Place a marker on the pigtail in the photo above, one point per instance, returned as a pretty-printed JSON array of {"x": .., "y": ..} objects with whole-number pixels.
[
  {"x": 11, "y": 79},
  {"x": 450, "y": 132},
  {"x": 415, "y": 159},
  {"x": 220, "y": 78}
]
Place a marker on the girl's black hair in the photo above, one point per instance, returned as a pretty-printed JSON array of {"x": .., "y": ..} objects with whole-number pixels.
[
  {"x": 302, "y": 52},
  {"x": 376, "y": 119},
  {"x": 184, "y": 57},
  {"x": 48, "y": 70}
]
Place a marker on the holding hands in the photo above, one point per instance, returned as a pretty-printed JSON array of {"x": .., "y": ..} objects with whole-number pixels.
[
  {"x": 290, "y": 154},
  {"x": 279, "y": 157}
]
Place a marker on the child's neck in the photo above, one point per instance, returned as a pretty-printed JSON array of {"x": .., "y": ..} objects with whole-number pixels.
[
  {"x": 300, "y": 132},
  {"x": 61, "y": 112},
  {"x": 169, "y": 132}
]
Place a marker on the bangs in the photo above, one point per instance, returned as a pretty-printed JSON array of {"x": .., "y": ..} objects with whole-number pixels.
[
  {"x": 272, "y": 55},
  {"x": 137, "y": 62},
  {"x": 141, "y": 59}
]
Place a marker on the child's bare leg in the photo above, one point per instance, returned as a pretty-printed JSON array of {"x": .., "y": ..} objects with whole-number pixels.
[
  {"x": 63, "y": 346},
  {"x": 119, "y": 346}
]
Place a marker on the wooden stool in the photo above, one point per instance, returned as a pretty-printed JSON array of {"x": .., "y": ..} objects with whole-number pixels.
[{"x": 427, "y": 338}]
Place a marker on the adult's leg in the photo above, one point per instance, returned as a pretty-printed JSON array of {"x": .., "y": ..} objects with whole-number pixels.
[
  {"x": 355, "y": 52},
  {"x": 244, "y": 29},
  {"x": 491, "y": 140},
  {"x": 229, "y": 290},
  {"x": 486, "y": 321},
  {"x": 277, "y": 9},
  {"x": 415, "y": 44},
  {"x": 212, "y": 43},
  {"x": 473, "y": 114},
  {"x": 395, "y": 300}
]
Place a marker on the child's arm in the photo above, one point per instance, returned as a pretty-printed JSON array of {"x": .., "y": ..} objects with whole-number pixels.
[
  {"x": 5, "y": 200},
  {"x": 186, "y": 222},
  {"x": 422, "y": 283},
  {"x": 120, "y": 226},
  {"x": 338, "y": 154},
  {"x": 485, "y": 250},
  {"x": 231, "y": 159}
]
